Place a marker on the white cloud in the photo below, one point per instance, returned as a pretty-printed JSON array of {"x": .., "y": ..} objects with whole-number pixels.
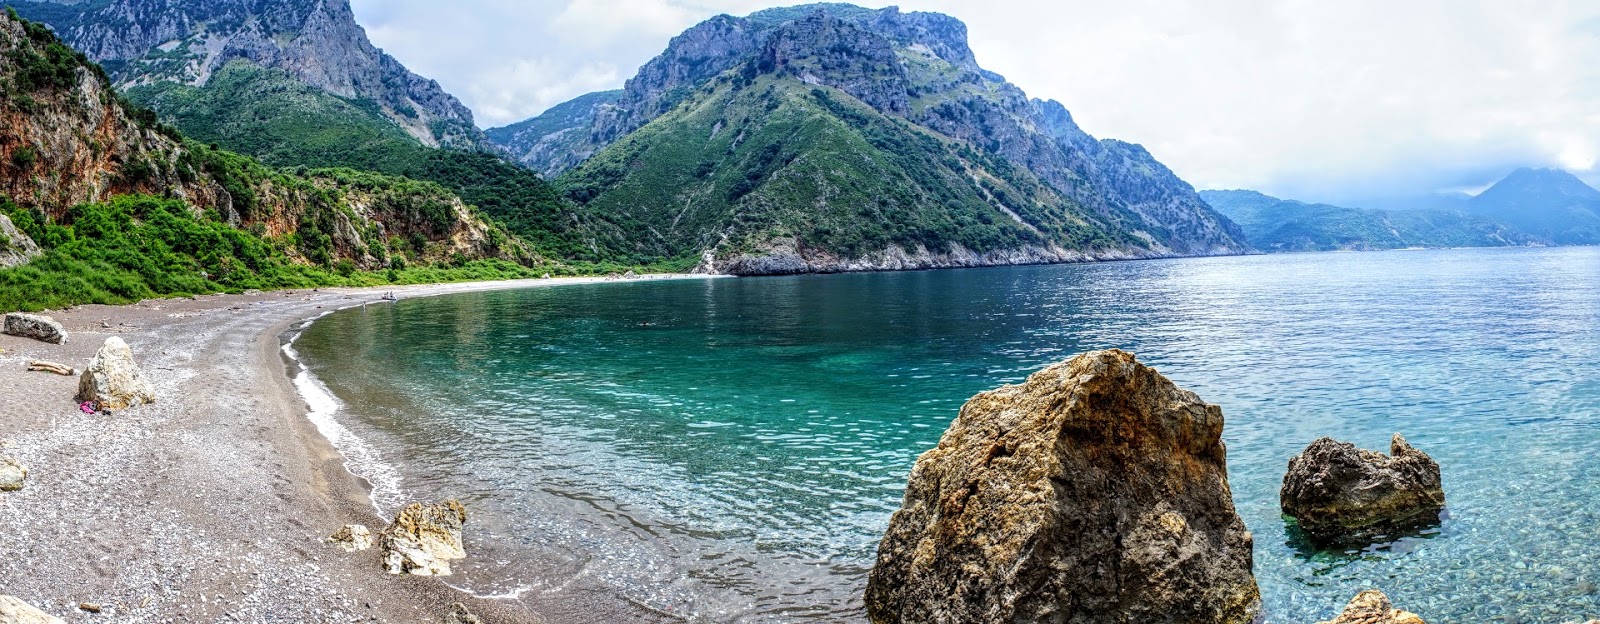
[{"x": 1308, "y": 99}]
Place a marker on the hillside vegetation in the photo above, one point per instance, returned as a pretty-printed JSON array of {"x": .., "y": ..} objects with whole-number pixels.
[{"x": 1274, "y": 224}]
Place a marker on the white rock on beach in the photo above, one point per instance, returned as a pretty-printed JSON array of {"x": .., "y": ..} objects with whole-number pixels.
[
  {"x": 14, "y": 611},
  {"x": 12, "y": 474},
  {"x": 113, "y": 381},
  {"x": 352, "y": 538},
  {"x": 37, "y": 327},
  {"x": 424, "y": 539}
]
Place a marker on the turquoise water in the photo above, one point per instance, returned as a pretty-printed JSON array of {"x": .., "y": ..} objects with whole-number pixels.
[{"x": 731, "y": 449}]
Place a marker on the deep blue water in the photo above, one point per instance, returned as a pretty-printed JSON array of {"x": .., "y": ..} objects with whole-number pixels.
[{"x": 731, "y": 449}]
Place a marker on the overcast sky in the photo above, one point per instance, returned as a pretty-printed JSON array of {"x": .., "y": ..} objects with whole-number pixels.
[{"x": 1306, "y": 99}]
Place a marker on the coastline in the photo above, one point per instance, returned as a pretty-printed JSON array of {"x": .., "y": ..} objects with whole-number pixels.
[{"x": 210, "y": 505}]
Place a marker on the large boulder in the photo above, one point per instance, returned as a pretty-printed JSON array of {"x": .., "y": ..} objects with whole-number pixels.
[
  {"x": 423, "y": 539},
  {"x": 113, "y": 381},
  {"x": 15, "y": 245},
  {"x": 37, "y": 327},
  {"x": 14, "y": 611},
  {"x": 1096, "y": 491},
  {"x": 1372, "y": 607},
  {"x": 12, "y": 474},
  {"x": 1339, "y": 493}
]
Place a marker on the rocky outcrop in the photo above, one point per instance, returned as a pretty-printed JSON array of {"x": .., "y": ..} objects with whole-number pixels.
[
  {"x": 14, "y": 611},
  {"x": 424, "y": 539},
  {"x": 16, "y": 247},
  {"x": 352, "y": 538},
  {"x": 460, "y": 615},
  {"x": 113, "y": 381},
  {"x": 37, "y": 327},
  {"x": 1096, "y": 491},
  {"x": 1372, "y": 607},
  {"x": 1339, "y": 493},
  {"x": 12, "y": 474},
  {"x": 318, "y": 41}
]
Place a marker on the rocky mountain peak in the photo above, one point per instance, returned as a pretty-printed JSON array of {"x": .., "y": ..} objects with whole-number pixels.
[{"x": 318, "y": 41}]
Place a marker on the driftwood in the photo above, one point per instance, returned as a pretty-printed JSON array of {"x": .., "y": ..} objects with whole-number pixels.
[{"x": 52, "y": 367}]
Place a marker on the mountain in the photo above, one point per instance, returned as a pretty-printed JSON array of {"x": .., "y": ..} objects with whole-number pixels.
[
  {"x": 832, "y": 137},
  {"x": 296, "y": 83},
  {"x": 557, "y": 137},
  {"x": 1274, "y": 224},
  {"x": 1548, "y": 203},
  {"x": 125, "y": 207},
  {"x": 187, "y": 42}
]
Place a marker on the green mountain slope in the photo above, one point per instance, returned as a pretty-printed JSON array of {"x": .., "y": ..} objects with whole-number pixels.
[
  {"x": 782, "y": 177},
  {"x": 124, "y": 208},
  {"x": 1274, "y": 224},
  {"x": 280, "y": 119},
  {"x": 558, "y": 134}
]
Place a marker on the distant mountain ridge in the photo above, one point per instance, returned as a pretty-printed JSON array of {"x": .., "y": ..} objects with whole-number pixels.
[
  {"x": 141, "y": 42},
  {"x": 1549, "y": 203},
  {"x": 996, "y": 178},
  {"x": 1285, "y": 225}
]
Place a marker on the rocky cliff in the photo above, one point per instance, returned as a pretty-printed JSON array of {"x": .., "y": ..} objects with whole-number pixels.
[
  {"x": 70, "y": 140},
  {"x": 557, "y": 139},
  {"x": 318, "y": 41},
  {"x": 883, "y": 72}
]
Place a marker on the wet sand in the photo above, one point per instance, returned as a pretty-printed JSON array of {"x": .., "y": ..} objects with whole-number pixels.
[{"x": 211, "y": 505}]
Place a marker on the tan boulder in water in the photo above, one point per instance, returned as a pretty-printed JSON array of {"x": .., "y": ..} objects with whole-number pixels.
[
  {"x": 1096, "y": 491},
  {"x": 113, "y": 381},
  {"x": 1339, "y": 493},
  {"x": 1372, "y": 607},
  {"x": 423, "y": 539}
]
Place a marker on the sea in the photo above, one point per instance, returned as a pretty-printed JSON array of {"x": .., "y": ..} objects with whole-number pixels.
[{"x": 730, "y": 450}]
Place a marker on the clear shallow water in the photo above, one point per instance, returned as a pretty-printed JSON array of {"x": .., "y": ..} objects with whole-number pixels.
[{"x": 731, "y": 449}]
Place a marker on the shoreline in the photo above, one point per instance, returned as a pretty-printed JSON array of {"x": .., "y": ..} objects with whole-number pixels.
[{"x": 210, "y": 505}]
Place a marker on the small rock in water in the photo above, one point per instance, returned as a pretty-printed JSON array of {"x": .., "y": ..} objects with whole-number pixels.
[
  {"x": 423, "y": 539},
  {"x": 1340, "y": 493},
  {"x": 113, "y": 381},
  {"x": 37, "y": 327},
  {"x": 352, "y": 538},
  {"x": 14, "y": 611},
  {"x": 1096, "y": 491},
  {"x": 460, "y": 615},
  {"x": 12, "y": 474},
  {"x": 1372, "y": 607}
]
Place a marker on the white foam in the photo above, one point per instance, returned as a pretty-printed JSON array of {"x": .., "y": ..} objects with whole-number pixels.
[{"x": 360, "y": 459}]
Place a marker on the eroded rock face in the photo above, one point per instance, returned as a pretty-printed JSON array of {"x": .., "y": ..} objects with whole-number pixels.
[
  {"x": 37, "y": 327},
  {"x": 1372, "y": 607},
  {"x": 1340, "y": 493},
  {"x": 423, "y": 539},
  {"x": 1096, "y": 491},
  {"x": 12, "y": 474},
  {"x": 14, "y": 611},
  {"x": 113, "y": 381},
  {"x": 352, "y": 538}
]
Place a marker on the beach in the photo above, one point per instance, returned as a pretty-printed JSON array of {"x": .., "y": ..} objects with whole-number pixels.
[{"x": 211, "y": 505}]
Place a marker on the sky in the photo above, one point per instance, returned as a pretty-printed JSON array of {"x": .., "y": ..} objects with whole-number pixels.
[{"x": 1305, "y": 99}]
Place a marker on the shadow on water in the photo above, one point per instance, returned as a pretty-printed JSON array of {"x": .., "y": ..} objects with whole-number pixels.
[{"x": 1370, "y": 544}]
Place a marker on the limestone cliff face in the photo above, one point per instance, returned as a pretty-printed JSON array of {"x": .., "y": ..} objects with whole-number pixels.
[
  {"x": 319, "y": 41},
  {"x": 1096, "y": 491},
  {"x": 70, "y": 141}
]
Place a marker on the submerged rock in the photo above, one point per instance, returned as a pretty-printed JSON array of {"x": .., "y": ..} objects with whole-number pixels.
[
  {"x": 352, "y": 538},
  {"x": 423, "y": 539},
  {"x": 14, "y": 611},
  {"x": 1372, "y": 607},
  {"x": 12, "y": 474},
  {"x": 1096, "y": 491},
  {"x": 113, "y": 381},
  {"x": 37, "y": 327},
  {"x": 1338, "y": 492}
]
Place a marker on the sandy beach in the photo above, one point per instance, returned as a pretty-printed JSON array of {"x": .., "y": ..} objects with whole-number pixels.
[{"x": 211, "y": 505}]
